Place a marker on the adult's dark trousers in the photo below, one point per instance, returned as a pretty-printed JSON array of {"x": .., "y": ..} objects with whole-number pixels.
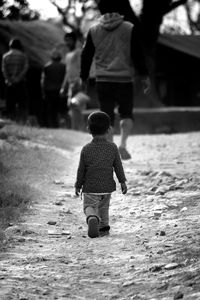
[
  {"x": 17, "y": 101},
  {"x": 118, "y": 95}
]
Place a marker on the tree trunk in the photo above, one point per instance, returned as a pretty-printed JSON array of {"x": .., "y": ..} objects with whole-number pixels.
[{"x": 149, "y": 37}]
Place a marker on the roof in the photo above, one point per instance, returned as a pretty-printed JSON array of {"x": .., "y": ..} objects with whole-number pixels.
[{"x": 189, "y": 44}]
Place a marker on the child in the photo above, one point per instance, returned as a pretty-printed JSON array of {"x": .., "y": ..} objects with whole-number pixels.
[{"x": 98, "y": 159}]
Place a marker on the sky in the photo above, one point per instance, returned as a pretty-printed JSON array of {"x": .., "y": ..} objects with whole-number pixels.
[{"x": 48, "y": 10}]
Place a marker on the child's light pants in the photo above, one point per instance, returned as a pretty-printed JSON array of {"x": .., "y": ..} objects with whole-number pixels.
[{"x": 97, "y": 205}]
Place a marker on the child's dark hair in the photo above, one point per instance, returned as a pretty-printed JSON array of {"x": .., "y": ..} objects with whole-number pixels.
[{"x": 98, "y": 123}]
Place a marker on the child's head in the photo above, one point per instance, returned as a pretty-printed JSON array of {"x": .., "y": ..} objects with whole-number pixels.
[{"x": 98, "y": 123}]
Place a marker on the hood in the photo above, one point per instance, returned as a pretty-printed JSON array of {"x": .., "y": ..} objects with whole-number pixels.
[{"x": 110, "y": 21}]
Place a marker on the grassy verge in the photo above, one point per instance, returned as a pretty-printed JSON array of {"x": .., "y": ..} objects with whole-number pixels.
[
  {"x": 27, "y": 158},
  {"x": 15, "y": 193},
  {"x": 13, "y": 201}
]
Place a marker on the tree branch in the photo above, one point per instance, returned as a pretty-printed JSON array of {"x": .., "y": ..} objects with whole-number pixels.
[
  {"x": 63, "y": 13},
  {"x": 59, "y": 9},
  {"x": 193, "y": 25}
]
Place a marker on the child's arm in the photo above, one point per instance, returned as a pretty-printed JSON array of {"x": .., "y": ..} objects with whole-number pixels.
[
  {"x": 80, "y": 175},
  {"x": 124, "y": 188},
  {"x": 77, "y": 191},
  {"x": 119, "y": 171}
]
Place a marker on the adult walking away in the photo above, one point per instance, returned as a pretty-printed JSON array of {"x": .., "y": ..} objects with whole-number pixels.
[
  {"x": 98, "y": 160},
  {"x": 118, "y": 54},
  {"x": 52, "y": 78},
  {"x": 14, "y": 69}
]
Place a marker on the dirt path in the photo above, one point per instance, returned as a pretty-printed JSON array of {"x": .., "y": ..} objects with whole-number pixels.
[{"x": 152, "y": 251}]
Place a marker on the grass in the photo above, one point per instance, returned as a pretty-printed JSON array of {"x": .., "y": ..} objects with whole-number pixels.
[
  {"x": 14, "y": 195},
  {"x": 13, "y": 202},
  {"x": 22, "y": 166}
]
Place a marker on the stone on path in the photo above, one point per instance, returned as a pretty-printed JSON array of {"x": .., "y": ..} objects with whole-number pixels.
[
  {"x": 51, "y": 222},
  {"x": 171, "y": 266}
]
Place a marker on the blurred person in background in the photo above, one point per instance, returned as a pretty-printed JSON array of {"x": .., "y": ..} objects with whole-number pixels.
[
  {"x": 14, "y": 69},
  {"x": 51, "y": 81},
  {"x": 76, "y": 97}
]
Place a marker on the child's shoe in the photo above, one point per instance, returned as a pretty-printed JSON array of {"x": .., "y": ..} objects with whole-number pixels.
[
  {"x": 93, "y": 227},
  {"x": 104, "y": 230}
]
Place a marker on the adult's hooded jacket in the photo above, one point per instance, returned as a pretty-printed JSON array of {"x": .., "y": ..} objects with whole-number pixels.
[{"x": 116, "y": 48}]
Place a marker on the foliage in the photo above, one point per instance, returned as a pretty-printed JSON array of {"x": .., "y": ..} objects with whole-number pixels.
[
  {"x": 77, "y": 14},
  {"x": 151, "y": 14},
  {"x": 14, "y": 197},
  {"x": 183, "y": 20},
  {"x": 193, "y": 15},
  {"x": 19, "y": 10},
  {"x": 38, "y": 38}
]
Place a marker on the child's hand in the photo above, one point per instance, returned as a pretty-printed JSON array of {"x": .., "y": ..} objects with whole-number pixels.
[
  {"x": 124, "y": 188},
  {"x": 77, "y": 191}
]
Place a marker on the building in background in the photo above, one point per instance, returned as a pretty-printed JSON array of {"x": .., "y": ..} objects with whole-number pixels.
[{"x": 178, "y": 70}]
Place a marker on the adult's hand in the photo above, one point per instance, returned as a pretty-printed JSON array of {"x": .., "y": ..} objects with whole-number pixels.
[
  {"x": 146, "y": 84},
  {"x": 62, "y": 93}
]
